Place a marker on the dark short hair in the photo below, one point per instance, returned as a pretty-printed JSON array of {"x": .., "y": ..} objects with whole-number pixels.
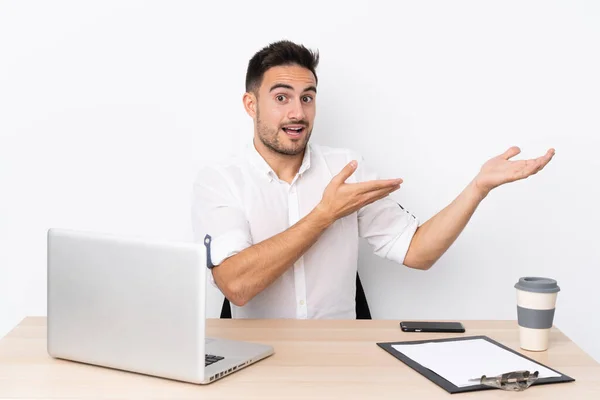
[{"x": 279, "y": 53}]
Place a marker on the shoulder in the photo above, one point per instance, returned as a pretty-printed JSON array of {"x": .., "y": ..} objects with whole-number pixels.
[
  {"x": 332, "y": 154},
  {"x": 215, "y": 173},
  {"x": 336, "y": 158}
]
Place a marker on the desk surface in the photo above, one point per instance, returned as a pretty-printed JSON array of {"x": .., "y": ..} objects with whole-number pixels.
[{"x": 313, "y": 359}]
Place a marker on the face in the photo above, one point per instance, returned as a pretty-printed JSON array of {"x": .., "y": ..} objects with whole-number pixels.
[{"x": 285, "y": 109}]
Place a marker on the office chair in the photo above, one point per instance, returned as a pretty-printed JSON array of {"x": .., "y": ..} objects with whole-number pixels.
[{"x": 362, "y": 307}]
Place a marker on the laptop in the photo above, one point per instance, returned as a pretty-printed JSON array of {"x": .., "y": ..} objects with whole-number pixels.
[{"x": 136, "y": 305}]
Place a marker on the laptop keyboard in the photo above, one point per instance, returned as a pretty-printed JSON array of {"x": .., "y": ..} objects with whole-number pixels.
[{"x": 210, "y": 359}]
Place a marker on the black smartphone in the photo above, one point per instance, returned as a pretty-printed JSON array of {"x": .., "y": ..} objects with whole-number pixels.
[{"x": 421, "y": 326}]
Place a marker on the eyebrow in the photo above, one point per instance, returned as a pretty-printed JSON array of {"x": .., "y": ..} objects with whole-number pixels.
[{"x": 286, "y": 86}]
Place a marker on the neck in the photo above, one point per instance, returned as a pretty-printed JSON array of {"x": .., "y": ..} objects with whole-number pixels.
[{"x": 285, "y": 166}]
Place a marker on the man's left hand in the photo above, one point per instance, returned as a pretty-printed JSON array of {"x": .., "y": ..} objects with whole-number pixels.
[{"x": 500, "y": 169}]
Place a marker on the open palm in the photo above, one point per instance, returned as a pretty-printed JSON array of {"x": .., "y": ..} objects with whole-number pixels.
[{"x": 500, "y": 169}]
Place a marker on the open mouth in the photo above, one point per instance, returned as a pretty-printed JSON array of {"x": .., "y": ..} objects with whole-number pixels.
[{"x": 294, "y": 131}]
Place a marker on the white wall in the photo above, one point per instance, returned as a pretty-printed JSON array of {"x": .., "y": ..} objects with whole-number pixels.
[{"x": 107, "y": 109}]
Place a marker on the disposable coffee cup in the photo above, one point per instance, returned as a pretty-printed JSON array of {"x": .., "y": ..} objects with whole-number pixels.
[{"x": 536, "y": 302}]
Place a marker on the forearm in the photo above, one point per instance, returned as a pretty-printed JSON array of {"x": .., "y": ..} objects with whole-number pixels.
[
  {"x": 244, "y": 275},
  {"x": 434, "y": 237}
]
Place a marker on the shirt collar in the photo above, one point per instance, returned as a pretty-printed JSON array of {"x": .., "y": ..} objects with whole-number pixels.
[
  {"x": 265, "y": 169},
  {"x": 306, "y": 160}
]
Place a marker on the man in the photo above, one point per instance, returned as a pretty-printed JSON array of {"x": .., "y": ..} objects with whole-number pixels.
[{"x": 282, "y": 222}]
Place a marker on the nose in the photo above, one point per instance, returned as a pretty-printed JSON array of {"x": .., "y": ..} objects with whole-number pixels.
[{"x": 296, "y": 111}]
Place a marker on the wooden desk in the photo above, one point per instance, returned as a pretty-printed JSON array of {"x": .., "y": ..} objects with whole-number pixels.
[{"x": 313, "y": 359}]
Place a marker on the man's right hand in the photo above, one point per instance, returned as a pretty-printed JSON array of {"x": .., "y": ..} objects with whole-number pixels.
[
  {"x": 341, "y": 198},
  {"x": 247, "y": 273}
]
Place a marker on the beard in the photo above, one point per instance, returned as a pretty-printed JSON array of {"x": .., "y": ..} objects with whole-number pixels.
[{"x": 269, "y": 136}]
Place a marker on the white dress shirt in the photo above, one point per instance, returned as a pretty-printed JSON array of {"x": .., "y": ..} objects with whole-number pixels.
[{"x": 241, "y": 201}]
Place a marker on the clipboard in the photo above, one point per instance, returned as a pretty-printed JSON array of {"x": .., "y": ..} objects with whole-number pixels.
[{"x": 449, "y": 386}]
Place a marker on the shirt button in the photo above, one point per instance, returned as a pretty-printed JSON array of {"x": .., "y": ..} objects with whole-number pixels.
[{"x": 301, "y": 302}]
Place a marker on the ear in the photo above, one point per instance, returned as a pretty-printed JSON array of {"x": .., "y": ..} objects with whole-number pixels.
[{"x": 250, "y": 104}]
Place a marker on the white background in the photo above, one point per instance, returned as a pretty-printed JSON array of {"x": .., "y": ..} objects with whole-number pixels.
[{"x": 108, "y": 108}]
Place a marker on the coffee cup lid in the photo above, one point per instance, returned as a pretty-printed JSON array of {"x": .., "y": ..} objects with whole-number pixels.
[{"x": 537, "y": 284}]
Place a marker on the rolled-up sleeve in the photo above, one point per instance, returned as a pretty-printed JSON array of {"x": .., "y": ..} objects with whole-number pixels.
[
  {"x": 218, "y": 213},
  {"x": 386, "y": 225}
]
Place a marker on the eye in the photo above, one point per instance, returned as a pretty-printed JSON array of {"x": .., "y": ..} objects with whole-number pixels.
[
  {"x": 307, "y": 99},
  {"x": 280, "y": 98}
]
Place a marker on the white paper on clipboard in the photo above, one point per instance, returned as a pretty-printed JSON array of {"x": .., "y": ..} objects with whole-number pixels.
[{"x": 461, "y": 360}]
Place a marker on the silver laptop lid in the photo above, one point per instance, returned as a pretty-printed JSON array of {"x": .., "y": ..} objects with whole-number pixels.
[{"x": 127, "y": 303}]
